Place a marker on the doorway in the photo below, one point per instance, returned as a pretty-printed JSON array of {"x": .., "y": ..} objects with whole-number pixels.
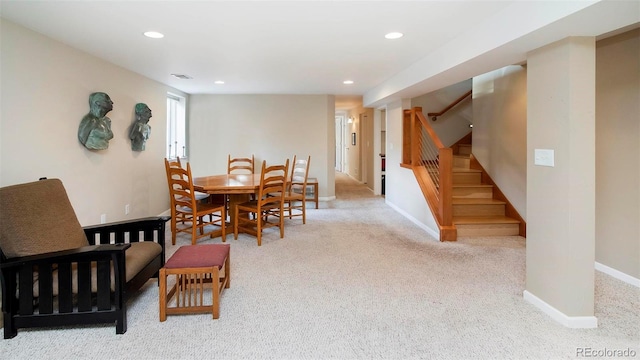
[{"x": 339, "y": 162}]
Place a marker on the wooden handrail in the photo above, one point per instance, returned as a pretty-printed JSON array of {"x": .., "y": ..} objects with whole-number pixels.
[
  {"x": 425, "y": 124},
  {"x": 438, "y": 191},
  {"x": 434, "y": 116}
]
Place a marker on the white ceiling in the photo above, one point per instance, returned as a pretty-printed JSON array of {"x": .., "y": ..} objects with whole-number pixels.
[{"x": 260, "y": 47}]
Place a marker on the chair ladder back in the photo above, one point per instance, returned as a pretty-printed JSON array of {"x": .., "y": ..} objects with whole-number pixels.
[
  {"x": 273, "y": 180},
  {"x": 182, "y": 187},
  {"x": 240, "y": 165},
  {"x": 299, "y": 174}
]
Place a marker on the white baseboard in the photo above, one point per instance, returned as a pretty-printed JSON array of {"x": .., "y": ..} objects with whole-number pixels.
[
  {"x": 326, "y": 198},
  {"x": 618, "y": 274},
  {"x": 574, "y": 322},
  {"x": 424, "y": 227}
]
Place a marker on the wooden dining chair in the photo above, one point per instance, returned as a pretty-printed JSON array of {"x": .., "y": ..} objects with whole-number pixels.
[
  {"x": 273, "y": 180},
  {"x": 176, "y": 163},
  {"x": 295, "y": 199},
  {"x": 188, "y": 211},
  {"x": 240, "y": 165}
]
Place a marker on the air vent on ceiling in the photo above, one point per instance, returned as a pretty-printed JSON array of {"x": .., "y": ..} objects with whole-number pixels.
[{"x": 182, "y": 76}]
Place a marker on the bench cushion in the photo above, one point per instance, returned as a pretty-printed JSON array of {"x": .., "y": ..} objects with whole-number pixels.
[
  {"x": 203, "y": 255},
  {"x": 36, "y": 218}
]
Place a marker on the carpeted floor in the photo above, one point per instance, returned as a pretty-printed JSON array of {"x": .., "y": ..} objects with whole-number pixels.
[{"x": 358, "y": 281}]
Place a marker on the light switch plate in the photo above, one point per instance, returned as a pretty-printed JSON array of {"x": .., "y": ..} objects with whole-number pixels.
[{"x": 543, "y": 157}]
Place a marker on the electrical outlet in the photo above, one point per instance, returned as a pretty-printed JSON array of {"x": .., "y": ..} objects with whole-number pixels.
[
  {"x": 127, "y": 209},
  {"x": 103, "y": 218}
]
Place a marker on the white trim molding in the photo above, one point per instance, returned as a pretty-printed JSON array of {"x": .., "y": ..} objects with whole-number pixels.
[
  {"x": 424, "y": 227},
  {"x": 574, "y": 322},
  {"x": 618, "y": 274}
]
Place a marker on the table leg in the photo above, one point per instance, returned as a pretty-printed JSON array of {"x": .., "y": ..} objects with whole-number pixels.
[{"x": 235, "y": 199}]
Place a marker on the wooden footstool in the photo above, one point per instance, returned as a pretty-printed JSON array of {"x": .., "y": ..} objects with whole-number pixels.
[{"x": 193, "y": 267}]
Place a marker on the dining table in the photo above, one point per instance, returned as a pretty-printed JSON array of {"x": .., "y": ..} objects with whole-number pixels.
[{"x": 236, "y": 187}]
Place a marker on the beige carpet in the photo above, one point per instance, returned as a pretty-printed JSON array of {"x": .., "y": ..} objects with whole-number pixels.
[{"x": 358, "y": 281}]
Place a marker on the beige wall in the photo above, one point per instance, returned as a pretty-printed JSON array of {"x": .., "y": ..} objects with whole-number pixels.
[
  {"x": 272, "y": 127},
  {"x": 352, "y": 153},
  {"x": 402, "y": 190},
  {"x": 618, "y": 153},
  {"x": 453, "y": 124},
  {"x": 500, "y": 130},
  {"x": 369, "y": 157},
  {"x": 45, "y": 93},
  {"x": 360, "y": 157},
  {"x": 561, "y": 199}
]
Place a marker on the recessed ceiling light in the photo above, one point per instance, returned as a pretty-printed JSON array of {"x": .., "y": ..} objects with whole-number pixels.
[
  {"x": 394, "y": 35},
  {"x": 154, "y": 34},
  {"x": 218, "y": 82},
  {"x": 182, "y": 76},
  {"x": 348, "y": 82}
]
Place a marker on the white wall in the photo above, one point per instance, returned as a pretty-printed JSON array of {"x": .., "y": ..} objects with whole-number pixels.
[
  {"x": 500, "y": 130},
  {"x": 45, "y": 93},
  {"x": 271, "y": 127}
]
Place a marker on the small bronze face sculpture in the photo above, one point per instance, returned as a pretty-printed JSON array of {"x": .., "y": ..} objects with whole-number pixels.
[
  {"x": 140, "y": 129},
  {"x": 95, "y": 128}
]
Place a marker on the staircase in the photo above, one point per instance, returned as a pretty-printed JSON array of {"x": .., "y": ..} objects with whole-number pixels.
[
  {"x": 477, "y": 211},
  {"x": 461, "y": 195}
]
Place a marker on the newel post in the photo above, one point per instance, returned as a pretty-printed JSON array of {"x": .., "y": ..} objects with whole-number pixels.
[
  {"x": 448, "y": 231},
  {"x": 415, "y": 133}
]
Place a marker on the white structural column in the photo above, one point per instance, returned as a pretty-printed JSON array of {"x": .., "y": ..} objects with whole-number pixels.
[{"x": 561, "y": 180}]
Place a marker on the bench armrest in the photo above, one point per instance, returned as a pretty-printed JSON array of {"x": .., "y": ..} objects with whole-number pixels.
[
  {"x": 142, "y": 224},
  {"x": 85, "y": 253},
  {"x": 129, "y": 231}
]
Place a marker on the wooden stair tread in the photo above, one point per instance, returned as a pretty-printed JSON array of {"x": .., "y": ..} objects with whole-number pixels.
[
  {"x": 459, "y": 220},
  {"x": 472, "y": 185},
  {"x": 476, "y": 201},
  {"x": 433, "y": 168},
  {"x": 466, "y": 170}
]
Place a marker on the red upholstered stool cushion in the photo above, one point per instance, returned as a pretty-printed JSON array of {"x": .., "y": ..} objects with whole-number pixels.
[{"x": 193, "y": 256}]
